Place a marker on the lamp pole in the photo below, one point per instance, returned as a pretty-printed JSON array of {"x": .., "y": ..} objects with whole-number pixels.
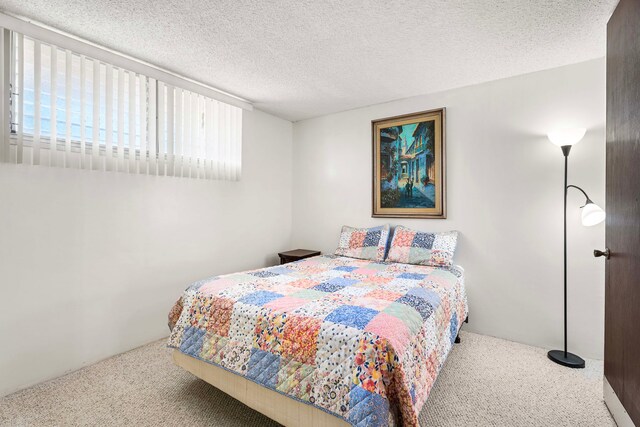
[
  {"x": 563, "y": 357},
  {"x": 591, "y": 215},
  {"x": 565, "y": 150}
]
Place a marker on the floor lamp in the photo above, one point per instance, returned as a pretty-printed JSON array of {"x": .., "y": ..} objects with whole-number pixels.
[{"x": 592, "y": 214}]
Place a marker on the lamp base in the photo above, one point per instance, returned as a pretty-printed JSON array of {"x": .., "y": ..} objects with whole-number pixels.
[{"x": 571, "y": 360}]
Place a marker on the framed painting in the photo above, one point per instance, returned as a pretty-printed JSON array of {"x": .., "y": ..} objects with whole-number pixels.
[{"x": 409, "y": 166}]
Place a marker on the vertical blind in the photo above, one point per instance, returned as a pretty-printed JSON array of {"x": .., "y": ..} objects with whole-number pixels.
[{"x": 70, "y": 110}]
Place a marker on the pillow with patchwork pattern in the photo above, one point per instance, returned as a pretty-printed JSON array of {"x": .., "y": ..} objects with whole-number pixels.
[
  {"x": 416, "y": 247},
  {"x": 363, "y": 243}
]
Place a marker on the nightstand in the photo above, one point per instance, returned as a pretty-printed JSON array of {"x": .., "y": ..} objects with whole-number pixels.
[{"x": 296, "y": 254}]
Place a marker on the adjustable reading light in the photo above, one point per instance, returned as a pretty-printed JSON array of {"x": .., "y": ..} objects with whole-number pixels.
[{"x": 592, "y": 214}]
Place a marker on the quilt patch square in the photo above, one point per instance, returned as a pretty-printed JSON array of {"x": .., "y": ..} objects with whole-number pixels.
[
  {"x": 199, "y": 311},
  {"x": 353, "y": 291},
  {"x": 309, "y": 294},
  {"x": 299, "y": 340},
  {"x": 330, "y": 390},
  {"x": 418, "y": 255},
  {"x": 421, "y": 305},
  {"x": 384, "y": 294},
  {"x": 286, "y": 303},
  {"x": 296, "y": 379},
  {"x": 331, "y": 274},
  {"x": 243, "y": 322},
  {"x": 428, "y": 295},
  {"x": 376, "y": 280},
  {"x": 407, "y": 314},
  {"x": 372, "y": 238},
  {"x": 238, "y": 291},
  {"x": 365, "y": 272},
  {"x": 269, "y": 331},
  {"x": 307, "y": 268},
  {"x": 437, "y": 281},
  {"x": 453, "y": 328},
  {"x": 176, "y": 335},
  {"x": 200, "y": 283},
  {"x": 400, "y": 286},
  {"x": 403, "y": 237},
  {"x": 347, "y": 268},
  {"x": 263, "y": 273},
  {"x": 366, "y": 408},
  {"x": 424, "y": 240},
  {"x": 373, "y": 303},
  {"x": 328, "y": 287},
  {"x": 215, "y": 286},
  {"x": 213, "y": 347},
  {"x": 441, "y": 257},
  {"x": 303, "y": 283},
  {"x": 283, "y": 289},
  {"x": 412, "y": 276},
  {"x": 279, "y": 270},
  {"x": 341, "y": 299},
  {"x": 351, "y": 315},
  {"x": 263, "y": 367},
  {"x": 399, "y": 252},
  {"x": 282, "y": 279},
  {"x": 318, "y": 308},
  {"x": 236, "y": 356},
  {"x": 374, "y": 363},
  {"x": 357, "y": 239},
  {"x": 343, "y": 281},
  {"x": 259, "y": 298},
  {"x": 239, "y": 278},
  {"x": 192, "y": 339},
  {"x": 394, "y": 329},
  {"x": 336, "y": 348},
  {"x": 378, "y": 266},
  {"x": 220, "y": 316},
  {"x": 371, "y": 252}
]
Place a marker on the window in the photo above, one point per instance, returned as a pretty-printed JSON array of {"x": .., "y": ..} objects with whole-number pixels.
[{"x": 67, "y": 109}]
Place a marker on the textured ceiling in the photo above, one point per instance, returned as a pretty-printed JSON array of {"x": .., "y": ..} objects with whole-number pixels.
[{"x": 305, "y": 58}]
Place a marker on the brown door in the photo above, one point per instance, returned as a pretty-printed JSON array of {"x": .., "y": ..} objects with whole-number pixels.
[{"x": 622, "y": 289}]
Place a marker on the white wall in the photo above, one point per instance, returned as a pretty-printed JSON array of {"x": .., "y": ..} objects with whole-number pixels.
[
  {"x": 91, "y": 262},
  {"x": 504, "y": 195}
]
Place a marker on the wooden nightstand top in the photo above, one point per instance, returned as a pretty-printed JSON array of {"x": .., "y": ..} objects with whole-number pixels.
[
  {"x": 296, "y": 255},
  {"x": 299, "y": 253}
]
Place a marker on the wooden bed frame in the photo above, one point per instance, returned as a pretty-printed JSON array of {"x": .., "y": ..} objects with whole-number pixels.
[{"x": 278, "y": 407}]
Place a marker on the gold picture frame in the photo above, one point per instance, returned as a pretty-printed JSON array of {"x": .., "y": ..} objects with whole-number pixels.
[{"x": 409, "y": 166}]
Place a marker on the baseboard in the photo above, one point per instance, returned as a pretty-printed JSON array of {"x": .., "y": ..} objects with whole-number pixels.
[{"x": 618, "y": 412}]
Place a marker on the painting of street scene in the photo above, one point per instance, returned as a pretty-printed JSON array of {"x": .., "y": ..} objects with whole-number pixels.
[{"x": 408, "y": 166}]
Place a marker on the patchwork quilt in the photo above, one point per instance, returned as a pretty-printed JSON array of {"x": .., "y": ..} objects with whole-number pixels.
[{"x": 361, "y": 340}]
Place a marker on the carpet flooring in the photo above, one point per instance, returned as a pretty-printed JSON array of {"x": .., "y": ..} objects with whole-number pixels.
[{"x": 485, "y": 382}]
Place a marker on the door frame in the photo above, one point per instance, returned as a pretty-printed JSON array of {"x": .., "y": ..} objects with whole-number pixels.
[{"x": 619, "y": 414}]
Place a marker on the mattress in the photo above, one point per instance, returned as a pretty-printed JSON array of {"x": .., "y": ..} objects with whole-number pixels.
[{"x": 361, "y": 340}]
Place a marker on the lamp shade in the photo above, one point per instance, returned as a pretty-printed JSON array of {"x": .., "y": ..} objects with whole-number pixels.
[
  {"x": 562, "y": 137},
  {"x": 592, "y": 214}
]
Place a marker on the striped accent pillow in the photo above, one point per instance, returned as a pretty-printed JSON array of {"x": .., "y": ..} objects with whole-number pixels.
[
  {"x": 415, "y": 247},
  {"x": 363, "y": 243}
]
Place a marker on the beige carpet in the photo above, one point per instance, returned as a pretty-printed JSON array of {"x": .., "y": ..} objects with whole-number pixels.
[{"x": 486, "y": 382}]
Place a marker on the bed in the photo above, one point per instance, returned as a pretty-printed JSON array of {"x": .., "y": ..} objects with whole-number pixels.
[{"x": 326, "y": 341}]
